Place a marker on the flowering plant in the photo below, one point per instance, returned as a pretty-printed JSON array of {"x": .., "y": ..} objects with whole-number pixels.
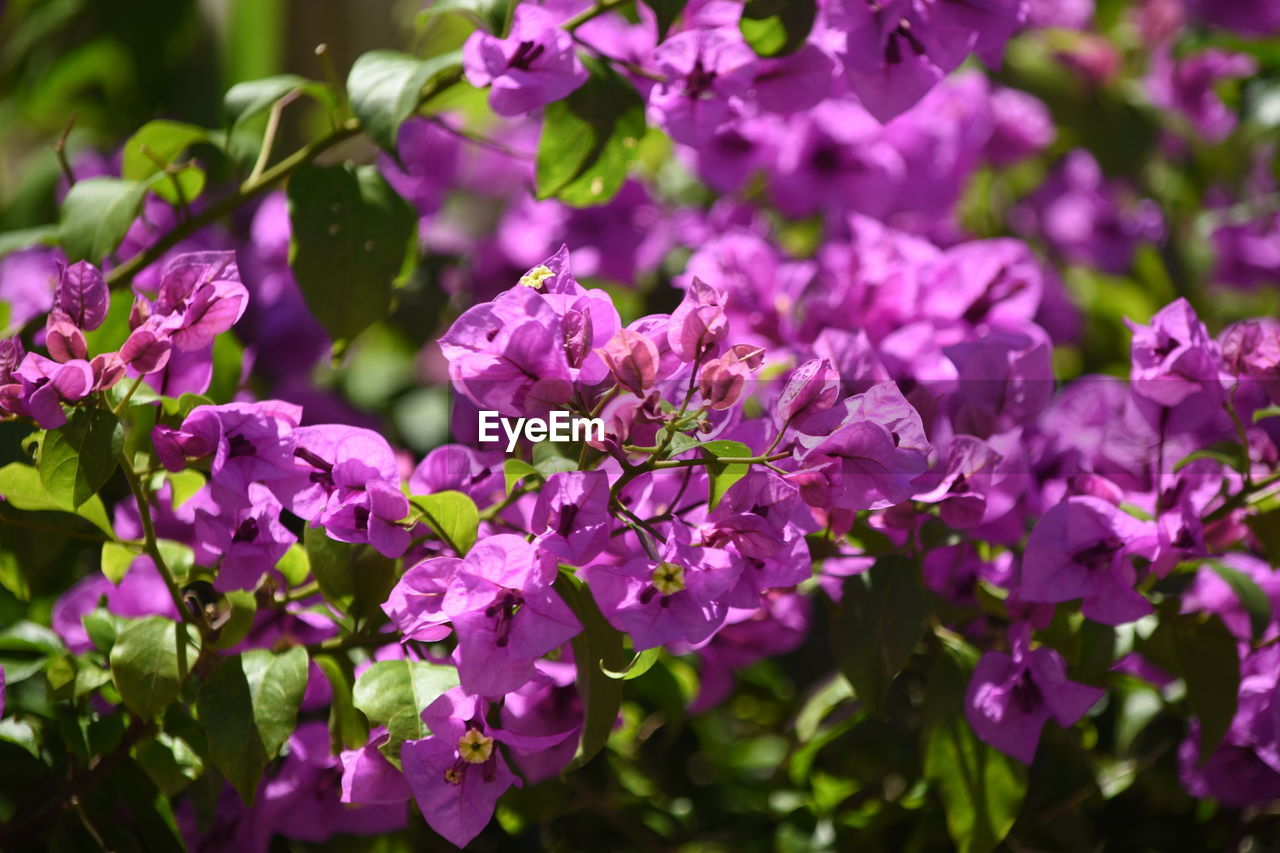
[{"x": 931, "y": 380}]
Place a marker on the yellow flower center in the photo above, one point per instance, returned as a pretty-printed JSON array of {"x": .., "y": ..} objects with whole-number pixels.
[
  {"x": 535, "y": 277},
  {"x": 668, "y": 578},
  {"x": 475, "y": 748}
]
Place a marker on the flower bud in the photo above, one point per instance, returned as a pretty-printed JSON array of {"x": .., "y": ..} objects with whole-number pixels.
[
  {"x": 633, "y": 359},
  {"x": 698, "y": 324},
  {"x": 11, "y": 355},
  {"x": 813, "y": 386},
  {"x": 139, "y": 313},
  {"x": 82, "y": 295},
  {"x": 108, "y": 368},
  {"x": 146, "y": 350},
  {"x": 63, "y": 337}
]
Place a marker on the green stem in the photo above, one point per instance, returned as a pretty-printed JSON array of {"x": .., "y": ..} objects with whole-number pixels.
[
  {"x": 151, "y": 546},
  {"x": 121, "y": 276},
  {"x": 595, "y": 11},
  {"x": 352, "y": 641},
  {"x": 723, "y": 460},
  {"x": 128, "y": 396}
]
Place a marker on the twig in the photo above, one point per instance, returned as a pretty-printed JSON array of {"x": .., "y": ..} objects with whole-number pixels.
[{"x": 60, "y": 151}]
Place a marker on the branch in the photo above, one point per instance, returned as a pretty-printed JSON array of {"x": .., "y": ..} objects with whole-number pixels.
[{"x": 120, "y": 276}]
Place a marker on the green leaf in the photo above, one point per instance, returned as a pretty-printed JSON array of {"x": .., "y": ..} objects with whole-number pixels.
[
  {"x": 596, "y": 650},
  {"x": 40, "y": 235},
  {"x": 453, "y": 516},
  {"x": 354, "y": 578},
  {"x": 1268, "y": 412},
  {"x": 395, "y": 692},
  {"x": 1249, "y": 594},
  {"x": 1207, "y": 658},
  {"x": 351, "y": 238},
  {"x": 777, "y": 27},
  {"x": 79, "y": 457},
  {"x": 157, "y": 145},
  {"x": 237, "y": 618},
  {"x": 589, "y": 139},
  {"x": 116, "y": 560},
  {"x": 515, "y": 470},
  {"x": 386, "y": 86},
  {"x": 490, "y": 15},
  {"x": 981, "y": 788},
  {"x": 666, "y": 11},
  {"x": 388, "y": 687},
  {"x": 149, "y": 661},
  {"x": 1266, "y": 527},
  {"x": 248, "y": 707},
  {"x": 347, "y": 727},
  {"x": 185, "y": 485},
  {"x": 723, "y": 476},
  {"x": 165, "y": 140},
  {"x": 682, "y": 443},
  {"x": 96, "y": 214},
  {"x": 1229, "y": 453},
  {"x": 252, "y": 98},
  {"x": 876, "y": 627},
  {"x": 21, "y": 486},
  {"x": 639, "y": 665},
  {"x": 294, "y": 565}
]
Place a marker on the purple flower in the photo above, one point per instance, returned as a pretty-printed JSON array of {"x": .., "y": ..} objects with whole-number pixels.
[
  {"x": 812, "y": 387},
  {"x": 1010, "y": 697},
  {"x": 633, "y": 359},
  {"x": 1088, "y": 219},
  {"x": 535, "y": 65},
  {"x": 1251, "y": 351},
  {"x": 1080, "y": 548},
  {"x": 674, "y": 599},
  {"x": 416, "y": 603},
  {"x": 247, "y": 443},
  {"x": 704, "y": 69},
  {"x": 522, "y": 353},
  {"x": 897, "y": 51},
  {"x": 1246, "y": 17},
  {"x": 458, "y": 773},
  {"x": 960, "y": 486},
  {"x": 28, "y": 279},
  {"x": 242, "y": 542},
  {"x": 698, "y": 324},
  {"x": 571, "y": 518},
  {"x": 455, "y": 467},
  {"x": 1174, "y": 357},
  {"x": 1005, "y": 379},
  {"x": 1022, "y": 127},
  {"x": 1244, "y": 769},
  {"x": 46, "y": 385},
  {"x": 1187, "y": 86},
  {"x": 142, "y": 592},
  {"x": 346, "y": 479},
  {"x": 63, "y": 338},
  {"x": 200, "y": 297},
  {"x": 500, "y": 602},
  {"x": 1247, "y": 253},
  {"x": 867, "y": 455},
  {"x": 82, "y": 295},
  {"x": 368, "y": 778}
]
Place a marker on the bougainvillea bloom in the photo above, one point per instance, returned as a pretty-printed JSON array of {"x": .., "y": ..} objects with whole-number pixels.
[
  {"x": 1012, "y": 696},
  {"x": 534, "y": 65}
]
